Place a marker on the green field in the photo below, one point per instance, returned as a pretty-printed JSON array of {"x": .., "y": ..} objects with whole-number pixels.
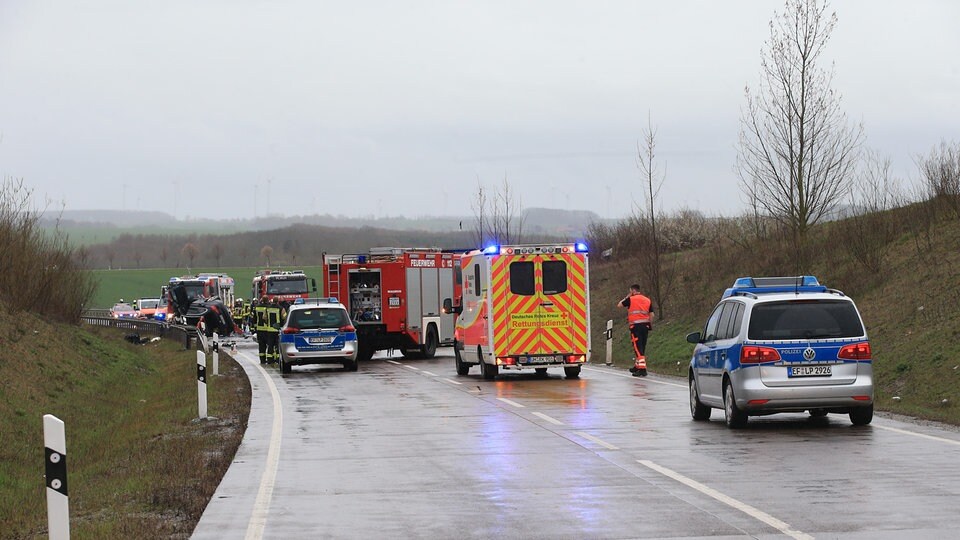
[{"x": 112, "y": 285}]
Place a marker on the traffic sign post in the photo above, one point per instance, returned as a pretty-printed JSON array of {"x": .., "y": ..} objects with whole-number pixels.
[
  {"x": 202, "y": 384},
  {"x": 609, "y": 336},
  {"x": 55, "y": 468}
]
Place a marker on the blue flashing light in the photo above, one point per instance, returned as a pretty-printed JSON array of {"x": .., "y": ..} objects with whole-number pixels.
[
  {"x": 333, "y": 300},
  {"x": 580, "y": 247},
  {"x": 298, "y": 301},
  {"x": 492, "y": 250},
  {"x": 767, "y": 285}
]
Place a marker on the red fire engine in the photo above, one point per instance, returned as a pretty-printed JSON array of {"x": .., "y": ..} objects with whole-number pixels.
[
  {"x": 285, "y": 286},
  {"x": 394, "y": 296}
]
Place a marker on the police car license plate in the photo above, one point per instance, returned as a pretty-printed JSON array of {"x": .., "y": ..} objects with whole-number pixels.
[
  {"x": 809, "y": 371},
  {"x": 319, "y": 340}
]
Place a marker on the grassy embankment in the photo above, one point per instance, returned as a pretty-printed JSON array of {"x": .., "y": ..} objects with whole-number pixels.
[
  {"x": 911, "y": 308},
  {"x": 112, "y": 285},
  {"x": 140, "y": 463}
]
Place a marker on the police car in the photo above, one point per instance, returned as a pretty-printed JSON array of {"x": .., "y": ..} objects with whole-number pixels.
[
  {"x": 317, "y": 331},
  {"x": 781, "y": 344}
]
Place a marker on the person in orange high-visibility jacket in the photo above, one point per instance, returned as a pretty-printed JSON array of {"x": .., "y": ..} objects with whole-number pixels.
[{"x": 640, "y": 320}]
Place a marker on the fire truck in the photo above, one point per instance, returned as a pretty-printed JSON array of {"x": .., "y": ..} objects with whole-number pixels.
[
  {"x": 523, "y": 307},
  {"x": 220, "y": 286},
  {"x": 394, "y": 296},
  {"x": 282, "y": 285}
]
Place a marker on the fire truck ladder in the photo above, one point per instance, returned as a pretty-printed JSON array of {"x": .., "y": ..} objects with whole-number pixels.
[{"x": 333, "y": 277}]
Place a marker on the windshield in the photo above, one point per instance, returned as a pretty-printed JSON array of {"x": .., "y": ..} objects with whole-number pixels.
[
  {"x": 805, "y": 319},
  {"x": 287, "y": 286},
  {"x": 148, "y": 304},
  {"x": 193, "y": 291},
  {"x": 306, "y": 319},
  {"x": 123, "y": 307}
]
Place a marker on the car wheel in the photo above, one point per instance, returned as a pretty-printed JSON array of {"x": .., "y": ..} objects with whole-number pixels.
[
  {"x": 463, "y": 368},
  {"x": 489, "y": 371},
  {"x": 541, "y": 371},
  {"x": 734, "y": 417},
  {"x": 285, "y": 366},
  {"x": 572, "y": 372},
  {"x": 861, "y": 416},
  {"x": 429, "y": 349},
  {"x": 698, "y": 410},
  {"x": 351, "y": 365}
]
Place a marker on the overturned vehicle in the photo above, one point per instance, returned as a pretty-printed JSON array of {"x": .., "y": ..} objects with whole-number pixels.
[{"x": 210, "y": 315}]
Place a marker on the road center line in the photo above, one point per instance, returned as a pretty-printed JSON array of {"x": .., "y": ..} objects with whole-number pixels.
[
  {"x": 451, "y": 381},
  {"x": 729, "y": 501},
  {"x": 915, "y": 434},
  {"x": 425, "y": 372},
  {"x": 552, "y": 420},
  {"x": 410, "y": 367},
  {"x": 509, "y": 402},
  {"x": 261, "y": 506},
  {"x": 601, "y": 442},
  {"x": 645, "y": 379},
  {"x": 394, "y": 362}
]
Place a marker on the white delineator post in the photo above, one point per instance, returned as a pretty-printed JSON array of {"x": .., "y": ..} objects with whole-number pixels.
[
  {"x": 58, "y": 505},
  {"x": 609, "y": 335},
  {"x": 202, "y": 384},
  {"x": 216, "y": 354}
]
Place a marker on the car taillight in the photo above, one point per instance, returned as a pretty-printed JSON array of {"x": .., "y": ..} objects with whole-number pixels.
[
  {"x": 758, "y": 355},
  {"x": 348, "y": 328},
  {"x": 855, "y": 351},
  {"x": 291, "y": 330}
]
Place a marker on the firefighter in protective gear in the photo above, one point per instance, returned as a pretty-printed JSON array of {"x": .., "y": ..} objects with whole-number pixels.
[
  {"x": 245, "y": 315},
  {"x": 640, "y": 321},
  {"x": 273, "y": 312},
  {"x": 260, "y": 326}
]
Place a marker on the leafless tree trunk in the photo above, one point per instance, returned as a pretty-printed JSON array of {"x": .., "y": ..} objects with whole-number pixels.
[
  {"x": 651, "y": 264},
  {"x": 190, "y": 251},
  {"x": 479, "y": 207},
  {"x": 797, "y": 152},
  {"x": 217, "y": 252},
  {"x": 498, "y": 220},
  {"x": 266, "y": 252}
]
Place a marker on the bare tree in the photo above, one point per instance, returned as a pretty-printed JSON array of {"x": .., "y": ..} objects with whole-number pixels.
[
  {"x": 164, "y": 254},
  {"x": 190, "y": 252},
  {"x": 266, "y": 252},
  {"x": 797, "y": 152},
  {"x": 479, "y": 207},
  {"x": 499, "y": 219},
  {"x": 652, "y": 267},
  {"x": 869, "y": 232},
  {"x": 941, "y": 175},
  {"x": 217, "y": 252}
]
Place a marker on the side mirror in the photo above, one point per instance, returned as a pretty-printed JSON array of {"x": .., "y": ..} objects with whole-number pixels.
[
  {"x": 447, "y": 305},
  {"x": 693, "y": 337}
]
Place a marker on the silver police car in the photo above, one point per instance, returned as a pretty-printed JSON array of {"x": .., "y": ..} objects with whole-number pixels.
[
  {"x": 318, "y": 331},
  {"x": 781, "y": 344}
]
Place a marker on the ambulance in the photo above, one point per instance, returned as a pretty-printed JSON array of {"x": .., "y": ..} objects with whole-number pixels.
[{"x": 523, "y": 307}]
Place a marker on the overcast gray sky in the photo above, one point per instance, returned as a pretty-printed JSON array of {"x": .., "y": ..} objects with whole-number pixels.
[{"x": 398, "y": 107}]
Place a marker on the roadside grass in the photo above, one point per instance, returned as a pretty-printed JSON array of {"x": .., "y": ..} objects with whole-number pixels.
[
  {"x": 140, "y": 464},
  {"x": 130, "y": 284}
]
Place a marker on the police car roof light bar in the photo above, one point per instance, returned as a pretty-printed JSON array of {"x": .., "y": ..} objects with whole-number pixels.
[{"x": 769, "y": 285}]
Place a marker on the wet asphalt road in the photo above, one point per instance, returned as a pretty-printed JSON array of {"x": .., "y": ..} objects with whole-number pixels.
[{"x": 407, "y": 449}]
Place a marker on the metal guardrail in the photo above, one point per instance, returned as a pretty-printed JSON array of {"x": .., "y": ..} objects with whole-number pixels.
[{"x": 186, "y": 334}]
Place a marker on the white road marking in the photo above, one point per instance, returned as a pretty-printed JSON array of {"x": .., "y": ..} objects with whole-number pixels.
[
  {"x": 509, "y": 402},
  {"x": 394, "y": 362},
  {"x": 548, "y": 418},
  {"x": 645, "y": 379},
  {"x": 451, "y": 381},
  {"x": 729, "y": 501},
  {"x": 915, "y": 434},
  {"x": 261, "y": 507},
  {"x": 425, "y": 372},
  {"x": 410, "y": 367},
  {"x": 601, "y": 442}
]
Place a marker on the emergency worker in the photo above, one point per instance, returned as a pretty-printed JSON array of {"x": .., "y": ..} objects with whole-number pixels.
[
  {"x": 260, "y": 326},
  {"x": 245, "y": 315},
  {"x": 273, "y": 312},
  {"x": 640, "y": 321}
]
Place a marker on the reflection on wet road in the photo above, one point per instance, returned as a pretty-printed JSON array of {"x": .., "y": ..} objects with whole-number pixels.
[{"x": 408, "y": 449}]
